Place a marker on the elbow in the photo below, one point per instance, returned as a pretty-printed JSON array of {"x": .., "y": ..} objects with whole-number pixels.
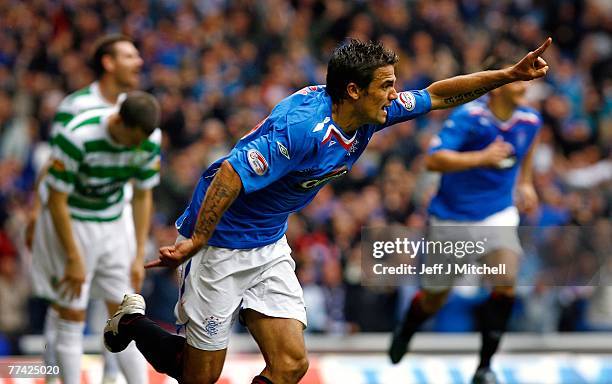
[
  {"x": 432, "y": 164},
  {"x": 436, "y": 101},
  {"x": 142, "y": 194}
]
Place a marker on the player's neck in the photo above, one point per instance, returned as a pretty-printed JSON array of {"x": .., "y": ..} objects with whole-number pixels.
[
  {"x": 109, "y": 89},
  {"x": 113, "y": 128},
  {"x": 345, "y": 118},
  {"x": 501, "y": 109}
]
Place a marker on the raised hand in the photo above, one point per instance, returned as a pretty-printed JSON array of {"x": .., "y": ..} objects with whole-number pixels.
[{"x": 532, "y": 66}]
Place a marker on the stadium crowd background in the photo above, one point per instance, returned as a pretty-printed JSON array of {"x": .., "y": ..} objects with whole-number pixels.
[{"x": 218, "y": 66}]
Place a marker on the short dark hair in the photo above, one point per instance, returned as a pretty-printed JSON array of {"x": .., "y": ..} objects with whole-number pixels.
[
  {"x": 105, "y": 46},
  {"x": 496, "y": 60},
  {"x": 355, "y": 62},
  {"x": 140, "y": 110}
]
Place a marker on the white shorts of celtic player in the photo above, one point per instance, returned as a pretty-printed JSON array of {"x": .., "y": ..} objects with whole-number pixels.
[
  {"x": 217, "y": 283},
  {"x": 108, "y": 249}
]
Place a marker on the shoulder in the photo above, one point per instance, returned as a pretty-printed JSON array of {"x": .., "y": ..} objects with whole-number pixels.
[
  {"x": 304, "y": 113},
  {"x": 81, "y": 100},
  {"x": 86, "y": 125},
  {"x": 303, "y": 105},
  {"x": 469, "y": 112},
  {"x": 529, "y": 115},
  {"x": 156, "y": 136},
  {"x": 153, "y": 142}
]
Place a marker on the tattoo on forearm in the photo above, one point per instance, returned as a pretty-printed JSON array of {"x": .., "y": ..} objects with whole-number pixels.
[
  {"x": 471, "y": 95},
  {"x": 223, "y": 190}
]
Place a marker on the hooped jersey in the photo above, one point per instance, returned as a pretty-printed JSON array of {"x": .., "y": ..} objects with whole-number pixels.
[{"x": 93, "y": 169}]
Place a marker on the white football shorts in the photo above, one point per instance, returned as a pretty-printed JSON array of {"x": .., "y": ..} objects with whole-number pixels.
[
  {"x": 497, "y": 231},
  {"x": 108, "y": 249},
  {"x": 217, "y": 283}
]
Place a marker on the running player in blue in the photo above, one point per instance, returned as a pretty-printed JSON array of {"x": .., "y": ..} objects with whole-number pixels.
[
  {"x": 483, "y": 149},
  {"x": 234, "y": 258}
]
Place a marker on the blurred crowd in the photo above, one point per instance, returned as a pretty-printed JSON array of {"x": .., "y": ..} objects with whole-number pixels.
[{"x": 218, "y": 67}]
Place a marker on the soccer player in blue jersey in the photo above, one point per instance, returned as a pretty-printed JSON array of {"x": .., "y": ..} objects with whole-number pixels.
[
  {"x": 483, "y": 149},
  {"x": 235, "y": 260}
]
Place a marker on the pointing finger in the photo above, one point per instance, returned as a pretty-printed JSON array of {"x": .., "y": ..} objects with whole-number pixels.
[{"x": 542, "y": 47}]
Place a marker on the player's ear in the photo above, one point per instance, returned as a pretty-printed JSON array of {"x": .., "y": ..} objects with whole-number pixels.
[
  {"x": 108, "y": 63},
  {"x": 115, "y": 119},
  {"x": 352, "y": 90}
]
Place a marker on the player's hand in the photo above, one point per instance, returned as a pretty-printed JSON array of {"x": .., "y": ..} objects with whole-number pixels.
[
  {"x": 527, "y": 198},
  {"x": 174, "y": 255},
  {"x": 495, "y": 152},
  {"x": 532, "y": 66},
  {"x": 137, "y": 273},
  {"x": 74, "y": 276},
  {"x": 29, "y": 231}
]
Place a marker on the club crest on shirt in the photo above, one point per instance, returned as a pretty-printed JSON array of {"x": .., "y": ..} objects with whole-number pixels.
[
  {"x": 258, "y": 163},
  {"x": 407, "y": 99}
]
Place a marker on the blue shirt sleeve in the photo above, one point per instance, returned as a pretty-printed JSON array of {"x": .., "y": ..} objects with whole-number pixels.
[
  {"x": 453, "y": 135},
  {"x": 267, "y": 158},
  {"x": 407, "y": 106}
]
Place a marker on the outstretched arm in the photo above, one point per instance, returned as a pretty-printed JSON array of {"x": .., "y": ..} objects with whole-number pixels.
[
  {"x": 462, "y": 89},
  {"x": 223, "y": 190}
]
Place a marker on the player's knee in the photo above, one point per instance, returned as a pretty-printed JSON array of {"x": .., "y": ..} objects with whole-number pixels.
[
  {"x": 201, "y": 374},
  {"x": 291, "y": 369},
  {"x": 301, "y": 367},
  {"x": 77, "y": 315},
  {"x": 200, "y": 378}
]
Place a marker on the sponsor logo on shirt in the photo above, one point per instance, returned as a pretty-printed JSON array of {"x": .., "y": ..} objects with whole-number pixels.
[
  {"x": 100, "y": 190},
  {"x": 258, "y": 163},
  {"x": 407, "y": 99},
  {"x": 309, "y": 184}
]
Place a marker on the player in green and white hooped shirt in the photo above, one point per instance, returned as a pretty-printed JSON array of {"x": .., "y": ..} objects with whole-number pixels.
[
  {"x": 116, "y": 63},
  {"x": 82, "y": 244}
]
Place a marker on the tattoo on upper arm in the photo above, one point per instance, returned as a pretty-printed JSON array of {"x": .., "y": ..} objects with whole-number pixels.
[
  {"x": 467, "y": 96},
  {"x": 223, "y": 190}
]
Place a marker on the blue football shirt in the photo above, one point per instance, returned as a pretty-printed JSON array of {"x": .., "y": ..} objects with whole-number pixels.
[
  {"x": 475, "y": 194},
  {"x": 284, "y": 161}
]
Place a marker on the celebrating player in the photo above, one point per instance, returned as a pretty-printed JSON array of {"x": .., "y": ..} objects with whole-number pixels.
[
  {"x": 480, "y": 150},
  {"x": 235, "y": 260}
]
